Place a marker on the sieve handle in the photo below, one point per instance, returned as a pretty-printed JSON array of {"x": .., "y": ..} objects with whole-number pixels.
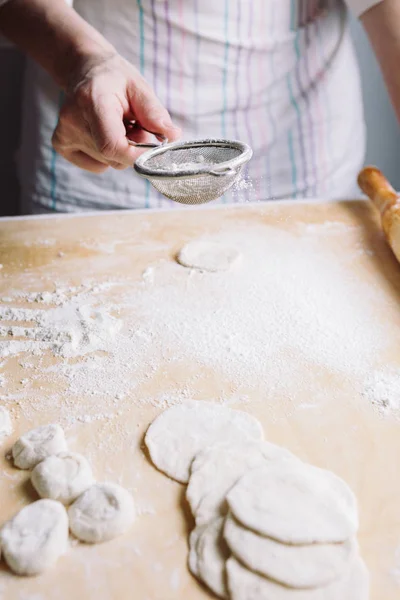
[{"x": 129, "y": 126}]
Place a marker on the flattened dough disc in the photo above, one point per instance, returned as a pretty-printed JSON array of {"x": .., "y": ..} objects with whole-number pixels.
[
  {"x": 179, "y": 433},
  {"x": 295, "y": 503},
  {"x": 246, "y": 585},
  {"x": 217, "y": 468},
  {"x": 208, "y": 255},
  {"x": 209, "y": 555},
  {"x": 307, "y": 566}
]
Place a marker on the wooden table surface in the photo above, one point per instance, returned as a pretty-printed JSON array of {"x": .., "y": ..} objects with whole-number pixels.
[{"x": 345, "y": 433}]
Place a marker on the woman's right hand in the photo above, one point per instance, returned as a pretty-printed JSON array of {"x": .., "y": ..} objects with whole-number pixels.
[{"x": 103, "y": 92}]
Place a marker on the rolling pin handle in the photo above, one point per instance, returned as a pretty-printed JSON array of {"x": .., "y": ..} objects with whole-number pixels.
[{"x": 375, "y": 185}]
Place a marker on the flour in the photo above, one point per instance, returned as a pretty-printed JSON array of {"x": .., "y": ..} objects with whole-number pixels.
[
  {"x": 73, "y": 329},
  {"x": 44, "y": 243},
  {"x": 188, "y": 166},
  {"x": 327, "y": 227},
  {"x": 289, "y": 310},
  {"x": 242, "y": 185},
  {"x": 382, "y": 389}
]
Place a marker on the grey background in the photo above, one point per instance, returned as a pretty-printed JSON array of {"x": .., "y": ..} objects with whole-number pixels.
[{"x": 383, "y": 130}]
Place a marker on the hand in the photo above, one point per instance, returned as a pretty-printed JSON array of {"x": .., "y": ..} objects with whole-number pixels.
[{"x": 103, "y": 92}]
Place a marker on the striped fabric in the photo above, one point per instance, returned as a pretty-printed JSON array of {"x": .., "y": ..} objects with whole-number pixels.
[{"x": 280, "y": 75}]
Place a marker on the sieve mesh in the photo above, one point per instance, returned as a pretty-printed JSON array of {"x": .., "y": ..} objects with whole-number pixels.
[{"x": 194, "y": 172}]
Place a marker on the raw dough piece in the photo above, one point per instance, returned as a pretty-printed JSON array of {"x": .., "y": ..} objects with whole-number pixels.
[
  {"x": 295, "y": 503},
  {"x": 103, "y": 512},
  {"x": 246, "y": 585},
  {"x": 37, "y": 444},
  {"x": 217, "y": 468},
  {"x": 35, "y": 538},
  {"x": 308, "y": 566},
  {"x": 63, "y": 477},
  {"x": 207, "y": 255},
  {"x": 179, "y": 433},
  {"x": 211, "y": 552},
  {"x": 194, "y": 537},
  {"x": 5, "y": 423}
]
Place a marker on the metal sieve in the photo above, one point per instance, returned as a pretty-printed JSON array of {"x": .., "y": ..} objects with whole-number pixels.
[{"x": 194, "y": 172}]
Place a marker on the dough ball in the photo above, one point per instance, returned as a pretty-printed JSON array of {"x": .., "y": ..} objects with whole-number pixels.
[
  {"x": 207, "y": 255},
  {"x": 246, "y": 585},
  {"x": 307, "y": 566},
  {"x": 5, "y": 423},
  {"x": 37, "y": 444},
  {"x": 35, "y": 538},
  {"x": 101, "y": 513},
  {"x": 209, "y": 554},
  {"x": 295, "y": 503},
  {"x": 63, "y": 477},
  {"x": 217, "y": 468},
  {"x": 180, "y": 432}
]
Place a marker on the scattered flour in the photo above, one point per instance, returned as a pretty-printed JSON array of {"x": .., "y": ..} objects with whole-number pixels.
[
  {"x": 328, "y": 227},
  {"x": 72, "y": 329},
  {"x": 189, "y": 166},
  {"x": 289, "y": 310},
  {"x": 382, "y": 389},
  {"x": 242, "y": 184}
]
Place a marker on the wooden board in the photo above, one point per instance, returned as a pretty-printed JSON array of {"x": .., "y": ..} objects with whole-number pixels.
[{"x": 344, "y": 433}]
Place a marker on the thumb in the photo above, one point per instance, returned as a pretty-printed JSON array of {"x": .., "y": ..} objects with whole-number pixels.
[{"x": 150, "y": 113}]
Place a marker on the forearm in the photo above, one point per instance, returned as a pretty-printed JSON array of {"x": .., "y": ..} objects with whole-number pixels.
[
  {"x": 382, "y": 24},
  {"x": 53, "y": 34}
]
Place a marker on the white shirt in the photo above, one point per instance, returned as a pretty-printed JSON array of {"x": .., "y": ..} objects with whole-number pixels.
[{"x": 279, "y": 75}]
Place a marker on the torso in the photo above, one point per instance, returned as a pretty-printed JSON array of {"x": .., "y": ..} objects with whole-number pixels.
[{"x": 278, "y": 74}]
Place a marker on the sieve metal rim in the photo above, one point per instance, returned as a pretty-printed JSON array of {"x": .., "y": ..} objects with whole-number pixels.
[{"x": 224, "y": 168}]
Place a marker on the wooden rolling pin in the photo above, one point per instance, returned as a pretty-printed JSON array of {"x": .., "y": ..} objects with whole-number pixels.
[{"x": 375, "y": 185}]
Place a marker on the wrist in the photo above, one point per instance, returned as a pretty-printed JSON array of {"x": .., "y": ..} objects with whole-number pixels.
[
  {"x": 79, "y": 48},
  {"x": 81, "y": 60}
]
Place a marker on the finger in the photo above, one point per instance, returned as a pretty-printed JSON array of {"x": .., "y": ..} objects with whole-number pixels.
[
  {"x": 84, "y": 161},
  {"x": 136, "y": 134},
  {"x": 150, "y": 113},
  {"x": 106, "y": 125},
  {"x": 85, "y": 146},
  {"x": 89, "y": 151},
  {"x": 118, "y": 166}
]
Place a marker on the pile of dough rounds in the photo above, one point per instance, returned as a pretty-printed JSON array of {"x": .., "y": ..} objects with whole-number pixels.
[
  {"x": 34, "y": 539},
  {"x": 268, "y": 526}
]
